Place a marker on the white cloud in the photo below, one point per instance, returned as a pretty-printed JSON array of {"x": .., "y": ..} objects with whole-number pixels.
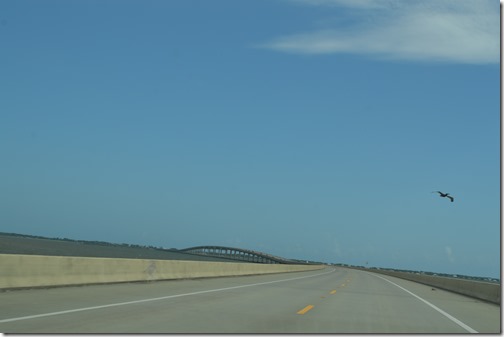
[
  {"x": 359, "y": 4},
  {"x": 462, "y": 31},
  {"x": 337, "y": 249},
  {"x": 449, "y": 254}
]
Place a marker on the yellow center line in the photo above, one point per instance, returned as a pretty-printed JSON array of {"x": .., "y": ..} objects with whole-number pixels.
[
  {"x": 305, "y": 310},
  {"x": 333, "y": 292}
]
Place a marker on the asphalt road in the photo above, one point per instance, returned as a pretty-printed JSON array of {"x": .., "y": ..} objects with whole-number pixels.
[{"x": 333, "y": 300}]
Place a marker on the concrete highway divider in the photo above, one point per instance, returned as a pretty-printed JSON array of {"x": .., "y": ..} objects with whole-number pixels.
[
  {"x": 487, "y": 291},
  {"x": 25, "y": 271}
]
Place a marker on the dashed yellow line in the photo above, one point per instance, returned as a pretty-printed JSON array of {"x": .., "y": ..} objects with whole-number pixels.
[
  {"x": 305, "y": 310},
  {"x": 333, "y": 292}
]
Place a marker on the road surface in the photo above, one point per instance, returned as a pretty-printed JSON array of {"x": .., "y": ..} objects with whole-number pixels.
[{"x": 332, "y": 300}]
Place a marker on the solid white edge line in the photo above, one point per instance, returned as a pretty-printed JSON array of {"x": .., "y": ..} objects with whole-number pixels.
[
  {"x": 153, "y": 299},
  {"x": 461, "y": 324}
]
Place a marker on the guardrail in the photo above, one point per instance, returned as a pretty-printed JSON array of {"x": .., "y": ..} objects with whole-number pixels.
[
  {"x": 486, "y": 291},
  {"x": 25, "y": 271}
]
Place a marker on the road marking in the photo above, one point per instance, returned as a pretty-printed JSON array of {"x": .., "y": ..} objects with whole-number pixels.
[
  {"x": 155, "y": 299},
  {"x": 333, "y": 292},
  {"x": 461, "y": 324},
  {"x": 305, "y": 310}
]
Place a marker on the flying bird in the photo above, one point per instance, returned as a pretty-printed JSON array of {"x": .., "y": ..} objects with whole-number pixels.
[{"x": 445, "y": 195}]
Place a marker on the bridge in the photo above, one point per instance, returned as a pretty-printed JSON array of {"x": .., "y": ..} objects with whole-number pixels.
[
  {"x": 328, "y": 300},
  {"x": 238, "y": 254}
]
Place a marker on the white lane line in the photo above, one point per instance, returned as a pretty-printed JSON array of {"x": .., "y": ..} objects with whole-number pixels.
[
  {"x": 154, "y": 299},
  {"x": 465, "y": 326}
]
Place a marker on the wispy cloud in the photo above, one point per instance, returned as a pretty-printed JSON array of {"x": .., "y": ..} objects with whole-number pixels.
[
  {"x": 462, "y": 31},
  {"x": 449, "y": 254}
]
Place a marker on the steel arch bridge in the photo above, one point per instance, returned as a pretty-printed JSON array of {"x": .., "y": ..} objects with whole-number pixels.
[{"x": 237, "y": 254}]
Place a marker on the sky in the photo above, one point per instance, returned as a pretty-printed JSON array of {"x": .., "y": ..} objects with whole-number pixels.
[{"x": 306, "y": 129}]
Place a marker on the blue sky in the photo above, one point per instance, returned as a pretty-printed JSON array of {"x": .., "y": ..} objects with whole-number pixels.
[{"x": 304, "y": 129}]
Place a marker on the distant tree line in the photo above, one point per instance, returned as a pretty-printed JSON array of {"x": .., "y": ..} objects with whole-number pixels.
[
  {"x": 466, "y": 277},
  {"x": 101, "y": 243}
]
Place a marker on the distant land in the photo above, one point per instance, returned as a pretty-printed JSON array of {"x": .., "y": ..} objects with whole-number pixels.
[{"x": 12, "y": 243}]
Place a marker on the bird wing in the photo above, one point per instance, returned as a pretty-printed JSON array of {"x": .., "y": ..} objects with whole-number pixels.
[{"x": 451, "y": 198}]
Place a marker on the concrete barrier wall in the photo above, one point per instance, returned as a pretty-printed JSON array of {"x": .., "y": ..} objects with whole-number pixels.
[
  {"x": 21, "y": 271},
  {"x": 490, "y": 292}
]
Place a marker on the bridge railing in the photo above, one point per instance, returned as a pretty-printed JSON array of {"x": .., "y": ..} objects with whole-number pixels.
[{"x": 238, "y": 254}]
